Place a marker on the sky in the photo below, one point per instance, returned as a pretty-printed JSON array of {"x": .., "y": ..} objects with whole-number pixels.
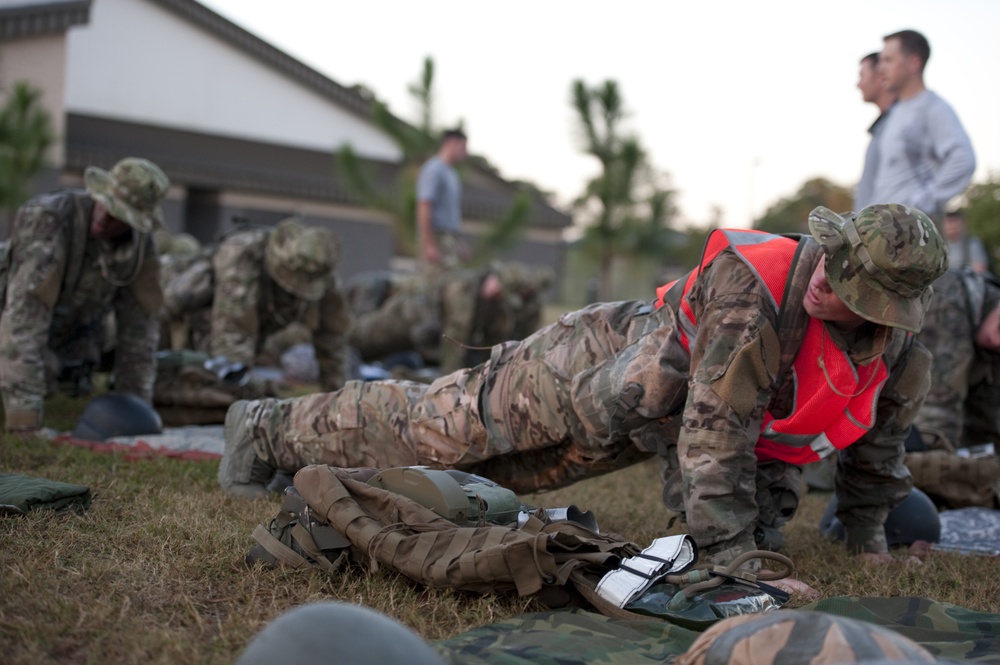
[{"x": 738, "y": 102}]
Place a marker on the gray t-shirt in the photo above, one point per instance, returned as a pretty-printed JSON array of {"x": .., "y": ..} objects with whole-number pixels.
[
  {"x": 924, "y": 155},
  {"x": 439, "y": 185}
]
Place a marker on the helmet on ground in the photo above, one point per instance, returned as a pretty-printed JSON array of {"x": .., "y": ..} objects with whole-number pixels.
[
  {"x": 335, "y": 632},
  {"x": 117, "y": 414},
  {"x": 916, "y": 518},
  {"x": 301, "y": 259},
  {"x": 799, "y": 636},
  {"x": 131, "y": 191},
  {"x": 881, "y": 263}
]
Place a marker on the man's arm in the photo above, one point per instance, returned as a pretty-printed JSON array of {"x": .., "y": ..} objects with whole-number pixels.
[
  {"x": 428, "y": 247},
  {"x": 137, "y": 313},
  {"x": 871, "y": 476},
  {"x": 428, "y": 186},
  {"x": 951, "y": 146},
  {"x": 733, "y": 367},
  {"x": 238, "y": 264},
  {"x": 330, "y": 341},
  {"x": 38, "y": 261}
]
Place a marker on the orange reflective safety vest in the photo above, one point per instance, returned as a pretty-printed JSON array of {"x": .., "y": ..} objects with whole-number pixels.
[{"x": 835, "y": 400}]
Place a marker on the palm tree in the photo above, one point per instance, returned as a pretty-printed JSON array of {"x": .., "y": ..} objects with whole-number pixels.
[{"x": 628, "y": 203}]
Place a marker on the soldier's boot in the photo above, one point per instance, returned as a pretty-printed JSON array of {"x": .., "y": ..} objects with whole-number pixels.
[{"x": 241, "y": 473}]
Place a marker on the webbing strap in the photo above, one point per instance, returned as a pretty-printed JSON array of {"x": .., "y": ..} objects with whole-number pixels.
[
  {"x": 305, "y": 541},
  {"x": 277, "y": 549},
  {"x": 459, "y": 542}
]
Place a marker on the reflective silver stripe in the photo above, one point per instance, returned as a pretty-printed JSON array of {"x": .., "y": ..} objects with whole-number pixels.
[
  {"x": 823, "y": 447},
  {"x": 791, "y": 440}
]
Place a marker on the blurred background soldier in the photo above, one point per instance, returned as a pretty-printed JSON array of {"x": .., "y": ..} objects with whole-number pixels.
[
  {"x": 242, "y": 305},
  {"x": 275, "y": 288},
  {"x": 470, "y": 308},
  {"x": 184, "y": 300},
  {"x": 75, "y": 255},
  {"x": 953, "y": 460}
]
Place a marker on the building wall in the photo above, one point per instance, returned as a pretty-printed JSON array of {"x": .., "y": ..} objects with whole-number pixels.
[
  {"x": 40, "y": 61},
  {"x": 138, "y": 61}
]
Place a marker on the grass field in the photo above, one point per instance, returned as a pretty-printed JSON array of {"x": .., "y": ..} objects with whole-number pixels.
[{"x": 153, "y": 572}]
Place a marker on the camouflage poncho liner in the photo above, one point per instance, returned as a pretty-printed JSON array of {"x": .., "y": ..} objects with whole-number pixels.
[{"x": 578, "y": 637}]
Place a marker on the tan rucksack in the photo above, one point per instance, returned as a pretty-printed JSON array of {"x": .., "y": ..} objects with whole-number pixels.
[{"x": 332, "y": 516}]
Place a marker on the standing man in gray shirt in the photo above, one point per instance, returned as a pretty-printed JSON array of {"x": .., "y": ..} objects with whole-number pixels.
[
  {"x": 925, "y": 157},
  {"x": 873, "y": 92},
  {"x": 439, "y": 206}
]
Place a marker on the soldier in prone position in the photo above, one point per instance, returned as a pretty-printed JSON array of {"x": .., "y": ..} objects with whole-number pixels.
[{"x": 774, "y": 352}]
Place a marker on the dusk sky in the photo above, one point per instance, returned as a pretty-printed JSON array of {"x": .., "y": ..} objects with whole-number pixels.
[{"x": 739, "y": 102}]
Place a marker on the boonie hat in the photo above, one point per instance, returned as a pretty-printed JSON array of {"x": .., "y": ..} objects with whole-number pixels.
[
  {"x": 131, "y": 191},
  {"x": 301, "y": 259},
  {"x": 881, "y": 263}
]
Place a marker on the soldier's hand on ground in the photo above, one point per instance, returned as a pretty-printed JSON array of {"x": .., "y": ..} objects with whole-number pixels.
[
  {"x": 988, "y": 335},
  {"x": 796, "y": 587}
]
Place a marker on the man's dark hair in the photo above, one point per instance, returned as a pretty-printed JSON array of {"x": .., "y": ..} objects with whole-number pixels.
[
  {"x": 453, "y": 134},
  {"x": 912, "y": 42},
  {"x": 957, "y": 212},
  {"x": 871, "y": 58}
]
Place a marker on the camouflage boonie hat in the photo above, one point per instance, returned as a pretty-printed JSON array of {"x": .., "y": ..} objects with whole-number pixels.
[
  {"x": 882, "y": 262},
  {"x": 301, "y": 258},
  {"x": 131, "y": 191}
]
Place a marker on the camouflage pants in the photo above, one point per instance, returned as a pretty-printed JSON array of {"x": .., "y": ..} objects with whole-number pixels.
[
  {"x": 560, "y": 406},
  {"x": 947, "y": 333}
]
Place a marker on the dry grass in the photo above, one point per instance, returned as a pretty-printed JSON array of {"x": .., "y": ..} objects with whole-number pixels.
[{"x": 154, "y": 572}]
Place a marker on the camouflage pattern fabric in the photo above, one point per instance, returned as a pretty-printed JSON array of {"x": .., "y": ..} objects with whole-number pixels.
[
  {"x": 48, "y": 326},
  {"x": 568, "y": 637},
  {"x": 962, "y": 407},
  {"x": 579, "y": 637},
  {"x": 248, "y": 307},
  {"x": 948, "y": 631},
  {"x": 445, "y": 318},
  {"x": 602, "y": 388},
  {"x": 949, "y": 333}
]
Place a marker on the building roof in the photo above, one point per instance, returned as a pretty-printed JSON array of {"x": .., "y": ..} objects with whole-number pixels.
[
  {"x": 218, "y": 162},
  {"x": 255, "y": 47},
  {"x": 212, "y": 161},
  {"x": 37, "y": 19}
]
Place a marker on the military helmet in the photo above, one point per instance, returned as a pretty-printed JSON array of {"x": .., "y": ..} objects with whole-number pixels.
[
  {"x": 800, "y": 636},
  {"x": 301, "y": 259},
  {"x": 337, "y": 632},
  {"x": 131, "y": 191},
  {"x": 117, "y": 414},
  {"x": 881, "y": 263},
  {"x": 916, "y": 518}
]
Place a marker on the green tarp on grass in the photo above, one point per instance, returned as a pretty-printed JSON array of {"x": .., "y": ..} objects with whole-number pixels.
[{"x": 578, "y": 637}]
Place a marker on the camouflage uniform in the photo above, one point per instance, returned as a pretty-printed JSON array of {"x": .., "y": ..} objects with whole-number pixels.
[
  {"x": 50, "y": 326},
  {"x": 610, "y": 385},
  {"x": 397, "y": 314},
  {"x": 271, "y": 283},
  {"x": 962, "y": 374}
]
